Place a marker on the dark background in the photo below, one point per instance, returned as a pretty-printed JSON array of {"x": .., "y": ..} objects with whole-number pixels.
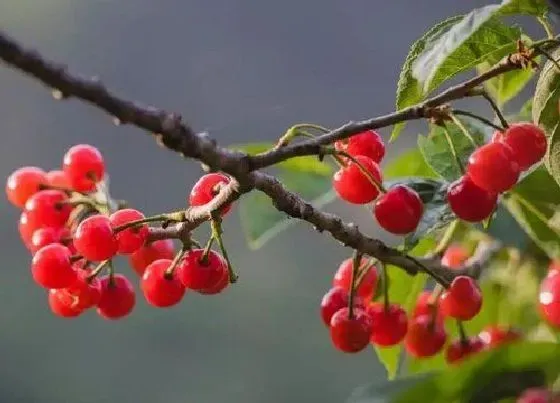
[{"x": 244, "y": 70}]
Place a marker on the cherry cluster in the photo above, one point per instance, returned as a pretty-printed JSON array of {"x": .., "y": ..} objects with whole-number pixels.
[
  {"x": 356, "y": 317},
  {"x": 71, "y": 227}
]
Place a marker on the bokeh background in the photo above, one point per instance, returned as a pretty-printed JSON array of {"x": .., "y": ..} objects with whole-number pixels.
[{"x": 245, "y": 71}]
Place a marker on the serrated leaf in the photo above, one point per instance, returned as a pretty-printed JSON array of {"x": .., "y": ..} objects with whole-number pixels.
[
  {"x": 547, "y": 96},
  {"x": 507, "y": 85},
  {"x": 408, "y": 163},
  {"x": 528, "y": 7},
  {"x": 552, "y": 158}
]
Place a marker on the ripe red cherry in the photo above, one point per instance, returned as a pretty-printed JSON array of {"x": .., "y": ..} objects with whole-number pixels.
[
  {"x": 425, "y": 337},
  {"x": 85, "y": 291},
  {"x": 141, "y": 258},
  {"x": 198, "y": 275},
  {"x": 368, "y": 143},
  {"x": 51, "y": 267},
  {"x": 462, "y": 300},
  {"x": 423, "y": 307},
  {"x": 206, "y": 188},
  {"x": 94, "y": 238},
  {"x": 454, "y": 256},
  {"x": 26, "y": 229},
  {"x": 399, "y": 210},
  {"x": 493, "y": 168},
  {"x": 161, "y": 289},
  {"x": 343, "y": 279},
  {"x": 24, "y": 183},
  {"x": 47, "y": 208},
  {"x": 46, "y": 236},
  {"x": 494, "y": 336},
  {"x": 470, "y": 202},
  {"x": 130, "y": 239},
  {"x": 549, "y": 298},
  {"x": 350, "y": 335},
  {"x": 353, "y": 186},
  {"x": 527, "y": 141},
  {"x": 84, "y": 166},
  {"x": 388, "y": 326},
  {"x": 58, "y": 179},
  {"x": 536, "y": 395},
  {"x": 334, "y": 300},
  {"x": 218, "y": 287},
  {"x": 459, "y": 349},
  {"x": 62, "y": 304},
  {"x": 117, "y": 297}
]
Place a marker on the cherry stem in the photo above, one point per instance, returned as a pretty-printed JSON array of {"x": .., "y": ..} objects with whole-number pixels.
[
  {"x": 477, "y": 117},
  {"x": 370, "y": 177},
  {"x": 496, "y": 108},
  {"x": 462, "y": 333},
  {"x": 356, "y": 260},
  {"x": 364, "y": 270},
  {"x": 171, "y": 217},
  {"x": 547, "y": 27},
  {"x": 204, "y": 258},
  {"x": 75, "y": 258},
  {"x": 453, "y": 150},
  {"x": 217, "y": 231},
  {"x": 385, "y": 287},
  {"x": 111, "y": 273},
  {"x": 95, "y": 272},
  {"x": 447, "y": 238},
  {"x": 76, "y": 203},
  {"x": 174, "y": 263}
]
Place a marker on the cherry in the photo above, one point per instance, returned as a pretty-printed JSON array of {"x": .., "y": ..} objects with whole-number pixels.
[
  {"x": 206, "y": 188},
  {"x": 160, "y": 288},
  {"x": 48, "y": 208},
  {"x": 388, "y": 326},
  {"x": 141, "y": 258},
  {"x": 218, "y": 287},
  {"x": 62, "y": 304},
  {"x": 24, "y": 183},
  {"x": 353, "y": 186},
  {"x": 26, "y": 229},
  {"x": 423, "y": 307},
  {"x": 425, "y": 337},
  {"x": 334, "y": 300},
  {"x": 368, "y": 143},
  {"x": 58, "y": 179},
  {"x": 460, "y": 349},
  {"x": 86, "y": 291},
  {"x": 462, "y": 300},
  {"x": 493, "y": 168},
  {"x": 454, "y": 256},
  {"x": 130, "y": 239},
  {"x": 94, "y": 238},
  {"x": 494, "y": 336},
  {"x": 84, "y": 166},
  {"x": 117, "y": 297},
  {"x": 549, "y": 298},
  {"x": 46, "y": 236},
  {"x": 470, "y": 202},
  {"x": 536, "y": 395},
  {"x": 51, "y": 267},
  {"x": 399, "y": 210},
  {"x": 554, "y": 265},
  {"x": 368, "y": 285},
  {"x": 526, "y": 140},
  {"x": 201, "y": 275},
  {"x": 350, "y": 334}
]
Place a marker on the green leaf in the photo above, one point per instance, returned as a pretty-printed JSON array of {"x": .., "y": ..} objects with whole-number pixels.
[
  {"x": 526, "y": 112},
  {"x": 529, "y": 7},
  {"x": 505, "y": 228},
  {"x": 552, "y": 158},
  {"x": 547, "y": 96},
  {"x": 507, "y": 85},
  {"x": 408, "y": 163}
]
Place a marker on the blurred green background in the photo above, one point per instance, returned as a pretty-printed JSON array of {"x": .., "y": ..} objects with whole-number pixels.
[{"x": 245, "y": 71}]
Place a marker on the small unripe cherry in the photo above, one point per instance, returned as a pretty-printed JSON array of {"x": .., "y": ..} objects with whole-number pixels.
[
  {"x": 526, "y": 140},
  {"x": 334, "y": 300},
  {"x": 549, "y": 299},
  {"x": 461, "y": 349},
  {"x": 206, "y": 188},
  {"x": 141, "y": 258},
  {"x": 493, "y": 168},
  {"x": 470, "y": 202},
  {"x": 350, "y": 334},
  {"x": 161, "y": 289},
  {"x": 131, "y": 239},
  {"x": 368, "y": 143},
  {"x": 62, "y": 304},
  {"x": 48, "y": 208},
  {"x": 198, "y": 273},
  {"x": 24, "y": 183},
  {"x": 399, "y": 210},
  {"x": 353, "y": 186},
  {"x": 94, "y": 238},
  {"x": 494, "y": 336},
  {"x": 389, "y": 325},
  {"x": 51, "y": 267},
  {"x": 368, "y": 284},
  {"x": 462, "y": 300},
  {"x": 454, "y": 256},
  {"x": 84, "y": 167},
  {"x": 425, "y": 337},
  {"x": 117, "y": 297}
]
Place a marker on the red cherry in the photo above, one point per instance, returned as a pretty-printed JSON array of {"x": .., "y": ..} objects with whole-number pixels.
[
  {"x": 554, "y": 265},
  {"x": 47, "y": 208},
  {"x": 58, "y": 179},
  {"x": 549, "y": 298},
  {"x": 84, "y": 167},
  {"x": 470, "y": 202},
  {"x": 536, "y": 395},
  {"x": 26, "y": 229},
  {"x": 130, "y": 239},
  {"x": 85, "y": 291},
  {"x": 24, "y": 183},
  {"x": 454, "y": 256},
  {"x": 334, "y": 300},
  {"x": 199, "y": 275},
  {"x": 46, "y": 236},
  {"x": 62, "y": 304},
  {"x": 368, "y": 143},
  {"x": 462, "y": 300},
  {"x": 368, "y": 285},
  {"x": 94, "y": 238},
  {"x": 350, "y": 335},
  {"x": 459, "y": 349},
  {"x": 526, "y": 140},
  {"x": 399, "y": 210},
  {"x": 117, "y": 297},
  {"x": 141, "y": 258},
  {"x": 388, "y": 326},
  {"x": 494, "y": 336},
  {"x": 425, "y": 337},
  {"x": 493, "y": 168},
  {"x": 51, "y": 267},
  {"x": 219, "y": 287},
  {"x": 161, "y": 289},
  {"x": 353, "y": 186},
  {"x": 423, "y": 307},
  {"x": 206, "y": 188}
]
